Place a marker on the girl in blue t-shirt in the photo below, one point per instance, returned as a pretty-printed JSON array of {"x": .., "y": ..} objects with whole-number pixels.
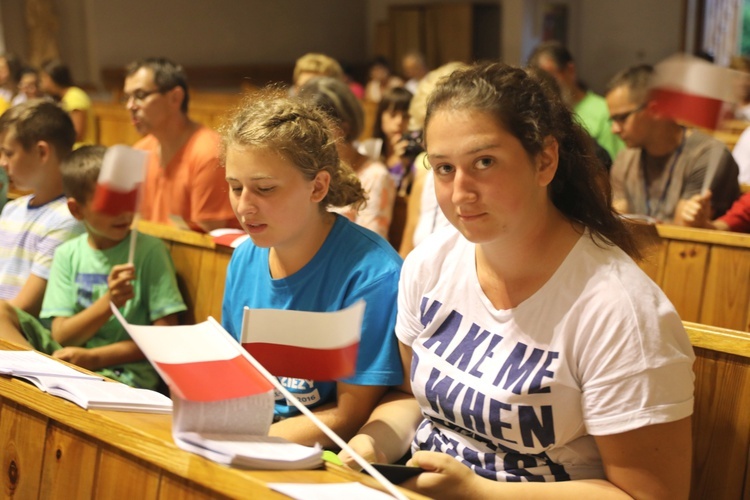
[{"x": 284, "y": 173}]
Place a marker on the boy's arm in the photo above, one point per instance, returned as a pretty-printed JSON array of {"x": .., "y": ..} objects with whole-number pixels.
[
  {"x": 78, "y": 329},
  {"x": 30, "y": 296},
  {"x": 96, "y": 358}
]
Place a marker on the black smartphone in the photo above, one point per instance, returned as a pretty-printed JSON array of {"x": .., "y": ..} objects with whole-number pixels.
[{"x": 397, "y": 474}]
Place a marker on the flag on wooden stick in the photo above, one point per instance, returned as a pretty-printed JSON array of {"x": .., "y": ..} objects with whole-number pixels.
[
  {"x": 692, "y": 90},
  {"x": 301, "y": 344},
  {"x": 198, "y": 362}
]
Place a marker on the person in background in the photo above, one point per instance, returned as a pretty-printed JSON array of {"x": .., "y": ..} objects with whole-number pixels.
[
  {"x": 10, "y": 74},
  {"x": 184, "y": 184},
  {"x": 423, "y": 215},
  {"x": 57, "y": 81},
  {"x": 697, "y": 213},
  {"x": 28, "y": 86},
  {"x": 391, "y": 123},
  {"x": 414, "y": 68},
  {"x": 90, "y": 272},
  {"x": 543, "y": 361},
  {"x": 665, "y": 164},
  {"x": 312, "y": 65},
  {"x": 590, "y": 108},
  {"x": 335, "y": 99},
  {"x": 381, "y": 79},
  {"x": 35, "y": 137},
  {"x": 357, "y": 89},
  {"x": 284, "y": 173}
]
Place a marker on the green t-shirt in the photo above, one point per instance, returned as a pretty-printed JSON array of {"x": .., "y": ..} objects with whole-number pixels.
[
  {"x": 593, "y": 113},
  {"x": 79, "y": 277}
]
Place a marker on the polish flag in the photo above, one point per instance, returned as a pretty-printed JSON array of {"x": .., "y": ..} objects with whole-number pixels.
[
  {"x": 122, "y": 173},
  {"x": 229, "y": 237},
  {"x": 692, "y": 90},
  {"x": 198, "y": 362},
  {"x": 301, "y": 344}
]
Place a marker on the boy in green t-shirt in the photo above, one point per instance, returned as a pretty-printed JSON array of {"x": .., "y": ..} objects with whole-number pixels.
[{"x": 90, "y": 271}]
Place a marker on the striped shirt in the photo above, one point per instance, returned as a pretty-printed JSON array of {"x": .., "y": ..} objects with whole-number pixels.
[{"x": 28, "y": 238}]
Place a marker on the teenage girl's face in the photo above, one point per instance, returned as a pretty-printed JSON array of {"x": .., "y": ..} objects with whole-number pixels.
[
  {"x": 486, "y": 184},
  {"x": 276, "y": 205},
  {"x": 394, "y": 122}
]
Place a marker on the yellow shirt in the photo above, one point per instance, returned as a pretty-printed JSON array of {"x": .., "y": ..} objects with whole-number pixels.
[{"x": 76, "y": 99}]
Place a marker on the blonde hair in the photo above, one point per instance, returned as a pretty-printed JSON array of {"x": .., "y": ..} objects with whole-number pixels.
[
  {"x": 272, "y": 120},
  {"x": 418, "y": 106},
  {"x": 320, "y": 64}
]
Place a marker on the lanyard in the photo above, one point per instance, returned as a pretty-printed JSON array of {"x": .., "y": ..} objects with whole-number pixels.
[{"x": 675, "y": 158}]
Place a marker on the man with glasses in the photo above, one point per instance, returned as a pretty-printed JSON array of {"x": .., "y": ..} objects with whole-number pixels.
[
  {"x": 590, "y": 108},
  {"x": 184, "y": 183},
  {"x": 665, "y": 163}
]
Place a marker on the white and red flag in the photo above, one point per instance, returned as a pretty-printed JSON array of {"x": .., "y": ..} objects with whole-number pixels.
[
  {"x": 122, "y": 173},
  {"x": 198, "y": 362},
  {"x": 301, "y": 344},
  {"x": 692, "y": 90}
]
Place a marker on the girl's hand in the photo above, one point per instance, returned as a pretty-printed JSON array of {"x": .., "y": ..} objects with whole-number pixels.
[
  {"x": 443, "y": 476},
  {"x": 364, "y": 445}
]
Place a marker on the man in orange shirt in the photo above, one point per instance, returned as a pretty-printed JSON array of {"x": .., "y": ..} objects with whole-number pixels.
[{"x": 184, "y": 179}]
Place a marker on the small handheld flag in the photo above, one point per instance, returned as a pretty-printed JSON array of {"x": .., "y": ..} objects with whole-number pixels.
[
  {"x": 302, "y": 344},
  {"x": 693, "y": 90},
  {"x": 122, "y": 173}
]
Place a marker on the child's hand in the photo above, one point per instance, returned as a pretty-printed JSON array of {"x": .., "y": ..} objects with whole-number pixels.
[
  {"x": 696, "y": 212},
  {"x": 120, "y": 284},
  {"x": 79, "y": 356}
]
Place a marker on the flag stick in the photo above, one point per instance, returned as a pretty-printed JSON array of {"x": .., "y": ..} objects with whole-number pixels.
[
  {"x": 133, "y": 238},
  {"x": 305, "y": 411},
  {"x": 714, "y": 158}
]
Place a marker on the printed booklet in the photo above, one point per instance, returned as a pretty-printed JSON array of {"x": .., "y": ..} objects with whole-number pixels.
[{"x": 91, "y": 392}]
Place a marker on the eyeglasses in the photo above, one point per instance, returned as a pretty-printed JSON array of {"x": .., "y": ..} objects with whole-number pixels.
[
  {"x": 139, "y": 96},
  {"x": 620, "y": 118}
]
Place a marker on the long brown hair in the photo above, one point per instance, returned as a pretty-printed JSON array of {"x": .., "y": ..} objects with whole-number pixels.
[{"x": 580, "y": 188}]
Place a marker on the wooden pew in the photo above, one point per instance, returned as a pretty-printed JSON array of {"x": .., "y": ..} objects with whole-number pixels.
[
  {"x": 51, "y": 448},
  {"x": 705, "y": 273},
  {"x": 114, "y": 125},
  {"x": 209, "y": 108},
  {"x": 201, "y": 268},
  {"x": 721, "y": 419}
]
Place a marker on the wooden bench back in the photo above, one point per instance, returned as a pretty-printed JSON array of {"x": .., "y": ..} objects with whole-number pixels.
[
  {"x": 721, "y": 418},
  {"x": 201, "y": 269},
  {"x": 705, "y": 273}
]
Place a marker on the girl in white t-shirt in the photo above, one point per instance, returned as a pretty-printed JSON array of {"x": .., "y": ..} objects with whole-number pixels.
[{"x": 542, "y": 361}]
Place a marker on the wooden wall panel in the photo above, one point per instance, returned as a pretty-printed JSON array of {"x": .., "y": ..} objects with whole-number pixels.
[
  {"x": 69, "y": 465},
  {"x": 22, "y": 451},
  {"x": 121, "y": 476},
  {"x": 683, "y": 277},
  {"x": 727, "y": 290}
]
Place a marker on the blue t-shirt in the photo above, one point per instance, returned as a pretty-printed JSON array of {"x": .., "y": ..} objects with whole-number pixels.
[{"x": 354, "y": 263}]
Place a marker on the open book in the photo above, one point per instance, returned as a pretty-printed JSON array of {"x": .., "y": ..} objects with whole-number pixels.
[{"x": 85, "y": 390}]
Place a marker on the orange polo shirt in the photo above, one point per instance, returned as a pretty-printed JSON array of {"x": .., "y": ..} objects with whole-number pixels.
[{"x": 191, "y": 186}]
